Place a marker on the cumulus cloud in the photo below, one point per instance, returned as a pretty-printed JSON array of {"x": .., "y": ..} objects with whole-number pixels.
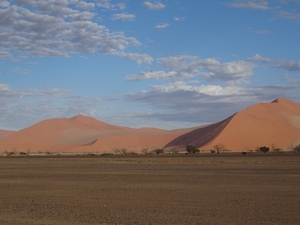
[
  {"x": 139, "y": 58},
  {"x": 259, "y": 58},
  {"x": 161, "y": 26},
  {"x": 154, "y": 6},
  {"x": 186, "y": 66},
  {"x": 289, "y": 65},
  {"x": 123, "y": 16},
  {"x": 108, "y": 5},
  {"x": 254, "y": 4},
  {"x": 44, "y": 28}
]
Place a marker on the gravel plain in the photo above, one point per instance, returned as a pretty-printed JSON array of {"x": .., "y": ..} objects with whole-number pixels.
[{"x": 164, "y": 189}]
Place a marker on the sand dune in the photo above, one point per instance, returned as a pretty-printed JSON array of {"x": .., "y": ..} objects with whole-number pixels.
[
  {"x": 4, "y": 133},
  {"x": 263, "y": 124},
  {"x": 276, "y": 123}
]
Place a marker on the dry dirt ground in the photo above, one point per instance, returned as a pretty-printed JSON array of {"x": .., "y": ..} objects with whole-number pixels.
[{"x": 204, "y": 189}]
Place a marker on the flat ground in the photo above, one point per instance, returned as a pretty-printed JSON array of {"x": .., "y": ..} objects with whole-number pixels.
[{"x": 203, "y": 189}]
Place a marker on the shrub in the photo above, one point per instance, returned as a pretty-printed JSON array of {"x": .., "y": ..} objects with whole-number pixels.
[
  {"x": 191, "y": 149},
  {"x": 158, "y": 151},
  {"x": 264, "y": 149}
]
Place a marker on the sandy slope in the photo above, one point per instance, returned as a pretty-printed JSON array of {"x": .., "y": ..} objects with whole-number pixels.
[
  {"x": 4, "y": 133},
  {"x": 263, "y": 124},
  {"x": 276, "y": 123}
]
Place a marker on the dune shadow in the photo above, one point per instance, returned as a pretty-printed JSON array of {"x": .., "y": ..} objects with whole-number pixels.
[{"x": 200, "y": 136}]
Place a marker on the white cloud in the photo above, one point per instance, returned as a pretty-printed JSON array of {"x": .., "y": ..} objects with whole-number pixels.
[
  {"x": 38, "y": 28},
  {"x": 154, "y": 6},
  {"x": 182, "y": 67},
  {"x": 254, "y": 4},
  {"x": 123, "y": 16},
  {"x": 288, "y": 65},
  {"x": 179, "y": 18},
  {"x": 85, "y": 5},
  {"x": 161, "y": 26},
  {"x": 156, "y": 75},
  {"x": 108, "y": 5},
  {"x": 259, "y": 58},
  {"x": 139, "y": 58}
]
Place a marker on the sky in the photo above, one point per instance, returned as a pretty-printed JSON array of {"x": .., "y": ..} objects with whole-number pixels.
[{"x": 167, "y": 64}]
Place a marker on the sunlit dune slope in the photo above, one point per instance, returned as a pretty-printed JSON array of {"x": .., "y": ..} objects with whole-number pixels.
[{"x": 264, "y": 124}]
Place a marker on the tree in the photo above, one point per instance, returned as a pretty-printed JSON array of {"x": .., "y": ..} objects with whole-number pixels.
[
  {"x": 191, "y": 149},
  {"x": 264, "y": 149},
  {"x": 219, "y": 148}
]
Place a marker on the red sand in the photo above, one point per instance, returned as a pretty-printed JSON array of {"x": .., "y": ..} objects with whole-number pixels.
[
  {"x": 4, "y": 133},
  {"x": 276, "y": 123}
]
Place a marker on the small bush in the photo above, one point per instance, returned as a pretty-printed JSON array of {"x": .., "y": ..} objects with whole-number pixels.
[
  {"x": 191, "y": 149},
  {"x": 264, "y": 149},
  {"x": 158, "y": 151}
]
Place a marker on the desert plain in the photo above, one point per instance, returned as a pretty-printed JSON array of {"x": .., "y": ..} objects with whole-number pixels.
[{"x": 207, "y": 189}]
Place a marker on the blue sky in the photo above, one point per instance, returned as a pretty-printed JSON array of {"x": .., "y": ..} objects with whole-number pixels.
[{"x": 166, "y": 64}]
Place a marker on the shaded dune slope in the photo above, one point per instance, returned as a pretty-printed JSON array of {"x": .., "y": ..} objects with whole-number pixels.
[{"x": 201, "y": 136}]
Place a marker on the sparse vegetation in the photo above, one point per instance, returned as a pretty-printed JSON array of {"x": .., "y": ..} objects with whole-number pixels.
[
  {"x": 147, "y": 151},
  {"x": 158, "y": 151},
  {"x": 264, "y": 149},
  {"x": 275, "y": 149},
  {"x": 120, "y": 151},
  {"x": 296, "y": 148},
  {"x": 219, "y": 148},
  {"x": 191, "y": 149}
]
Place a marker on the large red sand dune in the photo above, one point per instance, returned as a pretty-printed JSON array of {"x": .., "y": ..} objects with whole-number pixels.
[
  {"x": 276, "y": 123},
  {"x": 264, "y": 124}
]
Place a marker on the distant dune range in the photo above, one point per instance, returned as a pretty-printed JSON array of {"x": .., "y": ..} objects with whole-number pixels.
[{"x": 263, "y": 124}]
